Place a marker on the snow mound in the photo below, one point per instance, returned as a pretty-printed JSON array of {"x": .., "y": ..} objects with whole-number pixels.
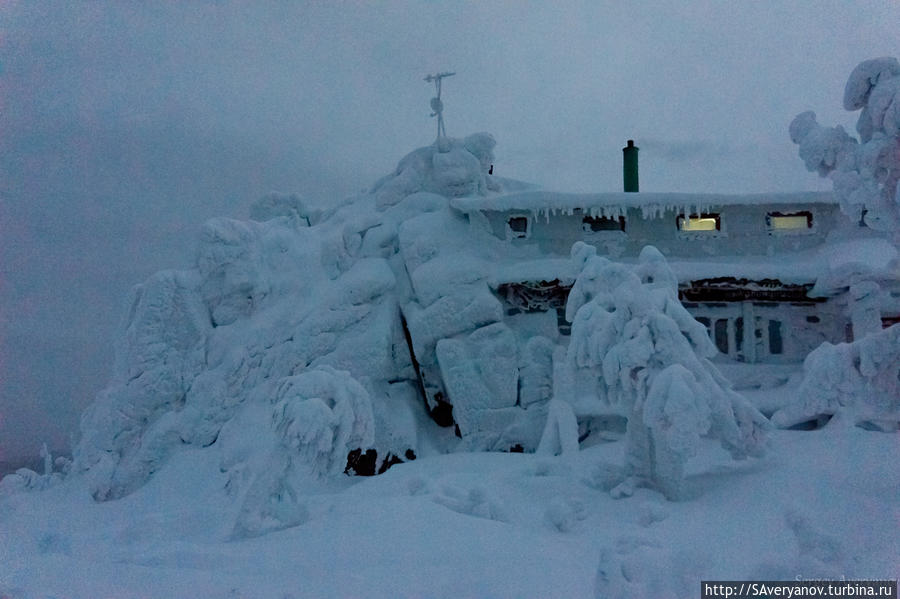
[{"x": 273, "y": 457}]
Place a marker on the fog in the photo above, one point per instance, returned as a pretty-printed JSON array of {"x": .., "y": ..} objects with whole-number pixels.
[{"x": 123, "y": 126}]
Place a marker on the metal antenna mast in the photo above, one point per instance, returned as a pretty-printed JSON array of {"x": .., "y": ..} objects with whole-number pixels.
[{"x": 437, "y": 106}]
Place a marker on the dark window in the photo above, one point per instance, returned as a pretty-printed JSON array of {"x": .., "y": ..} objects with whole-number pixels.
[
  {"x": 721, "y": 335},
  {"x": 889, "y": 321},
  {"x": 703, "y": 320},
  {"x": 699, "y": 223},
  {"x": 518, "y": 226},
  {"x": 565, "y": 328},
  {"x": 602, "y": 223},
  {"x": 812, "y": 319},
  {"x": 739, "y": 333},
  {"x": 775, "y": 344}
]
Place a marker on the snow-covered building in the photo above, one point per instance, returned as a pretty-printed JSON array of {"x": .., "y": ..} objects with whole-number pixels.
[
  {"x": 766, "y": 273},
  {"x": 746, "y": 264}
]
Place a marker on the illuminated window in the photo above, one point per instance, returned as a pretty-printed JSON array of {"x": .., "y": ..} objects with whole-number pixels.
[
  {"x": 794, "y": 221},
  {"x": 518, "y": 227},
  {"x": 699, "y": 223},
  {"x": 592, "y": 224}
]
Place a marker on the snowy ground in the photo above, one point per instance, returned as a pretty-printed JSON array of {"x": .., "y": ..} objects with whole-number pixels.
[{"x": 823, "y": 503}]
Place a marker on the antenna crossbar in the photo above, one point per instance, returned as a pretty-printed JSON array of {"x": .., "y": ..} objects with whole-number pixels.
[{"x": 437, "y": 106}]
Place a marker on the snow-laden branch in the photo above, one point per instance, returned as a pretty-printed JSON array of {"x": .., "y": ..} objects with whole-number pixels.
[{"x": 864, "y": 172}]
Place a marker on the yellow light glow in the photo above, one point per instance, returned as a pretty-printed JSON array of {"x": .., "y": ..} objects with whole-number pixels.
[
  {"x": 789, "y": 222},
  {"x": 698, "y": 224}
]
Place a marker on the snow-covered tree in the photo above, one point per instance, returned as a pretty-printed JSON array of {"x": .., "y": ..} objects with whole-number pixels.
[
  {"x": 864, "y": 172},
  {"x": 317, "y": 417},
  {"x": 858, "y": 383},
  {"x": 651, "y": 362},
  {"x": 323, "y": 414}
]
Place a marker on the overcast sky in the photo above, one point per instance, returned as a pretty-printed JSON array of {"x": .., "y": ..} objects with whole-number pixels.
[{"x": 124, "y": 125}]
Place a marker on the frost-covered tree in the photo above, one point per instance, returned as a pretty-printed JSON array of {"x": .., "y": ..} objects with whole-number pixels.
[
  {"x": 864, "y": 172},
  {"x": 858, "y": 383},
  {"x": 651, "y": 363},
  {"x": 323, "y": 414},
  {"x": 316, "y": 418}
]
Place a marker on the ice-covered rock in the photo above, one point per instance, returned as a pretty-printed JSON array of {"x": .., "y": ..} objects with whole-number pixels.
[
  {"x": 160, "y": 350},
  {"x": 267, "y": 301},
  {"x": 297, "y": 310},
  {"x": 536, "y": 371},
  {"x": 450, "y": 168},
  {"x": 481, "y": 375},
  {"x": 280, "y": 205}
]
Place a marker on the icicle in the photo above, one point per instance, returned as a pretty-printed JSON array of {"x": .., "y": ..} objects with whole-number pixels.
[{"x": 48, "y": 460}]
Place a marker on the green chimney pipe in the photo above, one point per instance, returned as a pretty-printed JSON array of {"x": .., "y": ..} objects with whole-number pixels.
[{"x": 630, "y": 166}]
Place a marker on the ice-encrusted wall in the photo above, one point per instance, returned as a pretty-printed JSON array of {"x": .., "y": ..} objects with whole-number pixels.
[{"x": 743, "y": 231}]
